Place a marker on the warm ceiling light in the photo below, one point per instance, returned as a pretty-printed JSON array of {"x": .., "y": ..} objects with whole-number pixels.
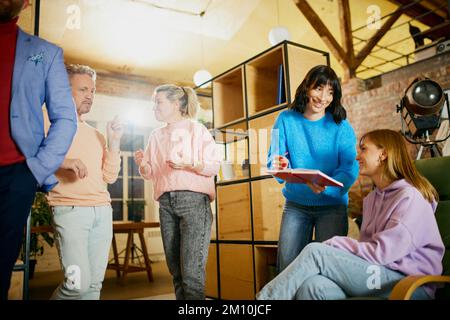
[
  {"x": 278, "y": 34},
  {"x": 202, "y": 78}
]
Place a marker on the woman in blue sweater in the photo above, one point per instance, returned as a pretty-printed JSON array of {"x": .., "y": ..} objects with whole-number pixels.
[{"x": 313, "y": 134}]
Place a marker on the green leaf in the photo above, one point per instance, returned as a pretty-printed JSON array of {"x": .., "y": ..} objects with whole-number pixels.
[{"x": 41, "y": 215}]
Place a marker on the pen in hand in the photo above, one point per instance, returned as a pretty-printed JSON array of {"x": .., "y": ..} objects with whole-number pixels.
[
  {"x": 281, "y": 162},
  {"x": 284, "y": 164}
]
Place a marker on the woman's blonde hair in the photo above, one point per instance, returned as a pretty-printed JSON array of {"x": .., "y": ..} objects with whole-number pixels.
[
  {"x": 184, "y": 95},
  {"x": 398, "y": 163}
]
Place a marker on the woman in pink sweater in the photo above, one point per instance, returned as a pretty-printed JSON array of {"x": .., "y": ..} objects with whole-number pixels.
[
  {"x": 399, "y": 235},
  {"x": 181, "y": 159}
]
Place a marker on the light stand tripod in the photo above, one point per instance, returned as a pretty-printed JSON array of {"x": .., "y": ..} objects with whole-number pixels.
[{"x": 434, "y": 150}]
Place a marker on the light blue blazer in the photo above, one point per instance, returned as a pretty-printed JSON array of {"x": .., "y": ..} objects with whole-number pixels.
[{"x": 40, "y": 77}]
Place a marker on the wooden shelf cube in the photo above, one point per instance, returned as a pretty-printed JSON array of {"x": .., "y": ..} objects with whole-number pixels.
[
  {"x": 267, "y": 202},
  {"x": 233, "y": 203},
  {"x": 265, "y": 264},
  {"x": 234, "y": 144},
  {"x": 300, "y": 61},
  {"x": 236, "y": 272},
  {"x": 262, "y": 81},
  {"x": 259, "y": 139},
  {"x": 228, "y": 98}
]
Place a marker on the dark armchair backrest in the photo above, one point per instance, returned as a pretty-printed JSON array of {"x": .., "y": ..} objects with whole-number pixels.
[{"x": 437, "y": 171}]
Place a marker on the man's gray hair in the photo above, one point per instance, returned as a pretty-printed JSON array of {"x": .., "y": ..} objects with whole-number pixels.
[{"x": 73, "y": 69}]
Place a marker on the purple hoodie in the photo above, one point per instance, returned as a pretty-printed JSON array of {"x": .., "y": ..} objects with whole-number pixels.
[{"x": 399, "y": 231}]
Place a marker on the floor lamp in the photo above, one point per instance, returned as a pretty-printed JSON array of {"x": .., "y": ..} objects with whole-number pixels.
[{"x": 421, "y": 110}]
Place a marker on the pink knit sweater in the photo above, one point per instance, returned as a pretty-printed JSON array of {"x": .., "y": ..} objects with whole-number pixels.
[{"x": 188, "y": 142}]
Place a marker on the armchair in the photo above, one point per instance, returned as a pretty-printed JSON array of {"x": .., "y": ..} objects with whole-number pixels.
[{"x": 437, "y": 171}]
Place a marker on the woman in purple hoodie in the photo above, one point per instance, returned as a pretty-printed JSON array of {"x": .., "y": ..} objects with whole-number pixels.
[{"x": 399, "y": 235}]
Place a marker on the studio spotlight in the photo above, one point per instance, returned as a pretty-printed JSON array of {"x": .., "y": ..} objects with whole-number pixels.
[{"x": 421, "y": 113}]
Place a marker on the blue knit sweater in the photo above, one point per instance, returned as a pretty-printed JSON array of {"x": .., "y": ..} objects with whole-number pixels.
[{"x": 321, "y": 144}]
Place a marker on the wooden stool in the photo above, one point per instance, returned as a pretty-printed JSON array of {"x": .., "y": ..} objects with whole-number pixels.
[{"x": 131, "y": 228}]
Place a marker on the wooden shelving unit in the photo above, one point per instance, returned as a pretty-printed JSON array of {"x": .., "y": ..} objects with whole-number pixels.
[{"x": 246, "y": 101}]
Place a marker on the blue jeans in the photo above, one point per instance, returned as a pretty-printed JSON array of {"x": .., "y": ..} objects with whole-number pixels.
[
  {"x": 186, "y": 220},
  {"x": 297, "y": 226},
  {"x": 322, "y": 272},
  {"x": 83, "y": 237}
]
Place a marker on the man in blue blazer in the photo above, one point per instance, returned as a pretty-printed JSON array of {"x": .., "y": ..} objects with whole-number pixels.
[{"x": 32, "y": 73}]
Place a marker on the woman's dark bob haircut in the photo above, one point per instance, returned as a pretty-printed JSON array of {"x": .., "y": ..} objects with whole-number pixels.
[{"x": 320, "y": 76}]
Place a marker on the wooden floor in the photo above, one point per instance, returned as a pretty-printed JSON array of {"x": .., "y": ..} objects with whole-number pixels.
[{"x": 137, "y": 286}]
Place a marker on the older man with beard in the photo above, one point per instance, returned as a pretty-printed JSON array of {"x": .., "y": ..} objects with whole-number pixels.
[
  {"x": 82, "y": 213},
  {"x": 32, "y": 73}
]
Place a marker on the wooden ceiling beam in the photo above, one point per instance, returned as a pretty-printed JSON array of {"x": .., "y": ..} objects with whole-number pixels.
[
  {"x": 373, "y": 41},
  {"x": 323, "y": 32},
  {"x": 437, "y": 32},
  {"x": 346, "y": 33},
  {"x": 418, "y": 9},
  {"x": 436, "y": 7}
]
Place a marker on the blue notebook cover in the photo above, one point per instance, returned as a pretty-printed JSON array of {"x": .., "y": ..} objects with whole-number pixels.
[{"x": 281, "y": 94}]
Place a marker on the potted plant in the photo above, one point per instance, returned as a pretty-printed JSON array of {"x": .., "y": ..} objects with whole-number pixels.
[{"x": 41, "y": 215}]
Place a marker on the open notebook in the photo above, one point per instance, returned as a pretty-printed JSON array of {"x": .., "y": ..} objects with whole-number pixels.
[{"x": 304, "y": 175}]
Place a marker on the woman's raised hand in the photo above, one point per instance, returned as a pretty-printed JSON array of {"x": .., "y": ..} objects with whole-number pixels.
[{"x": 139, "y": 158}]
